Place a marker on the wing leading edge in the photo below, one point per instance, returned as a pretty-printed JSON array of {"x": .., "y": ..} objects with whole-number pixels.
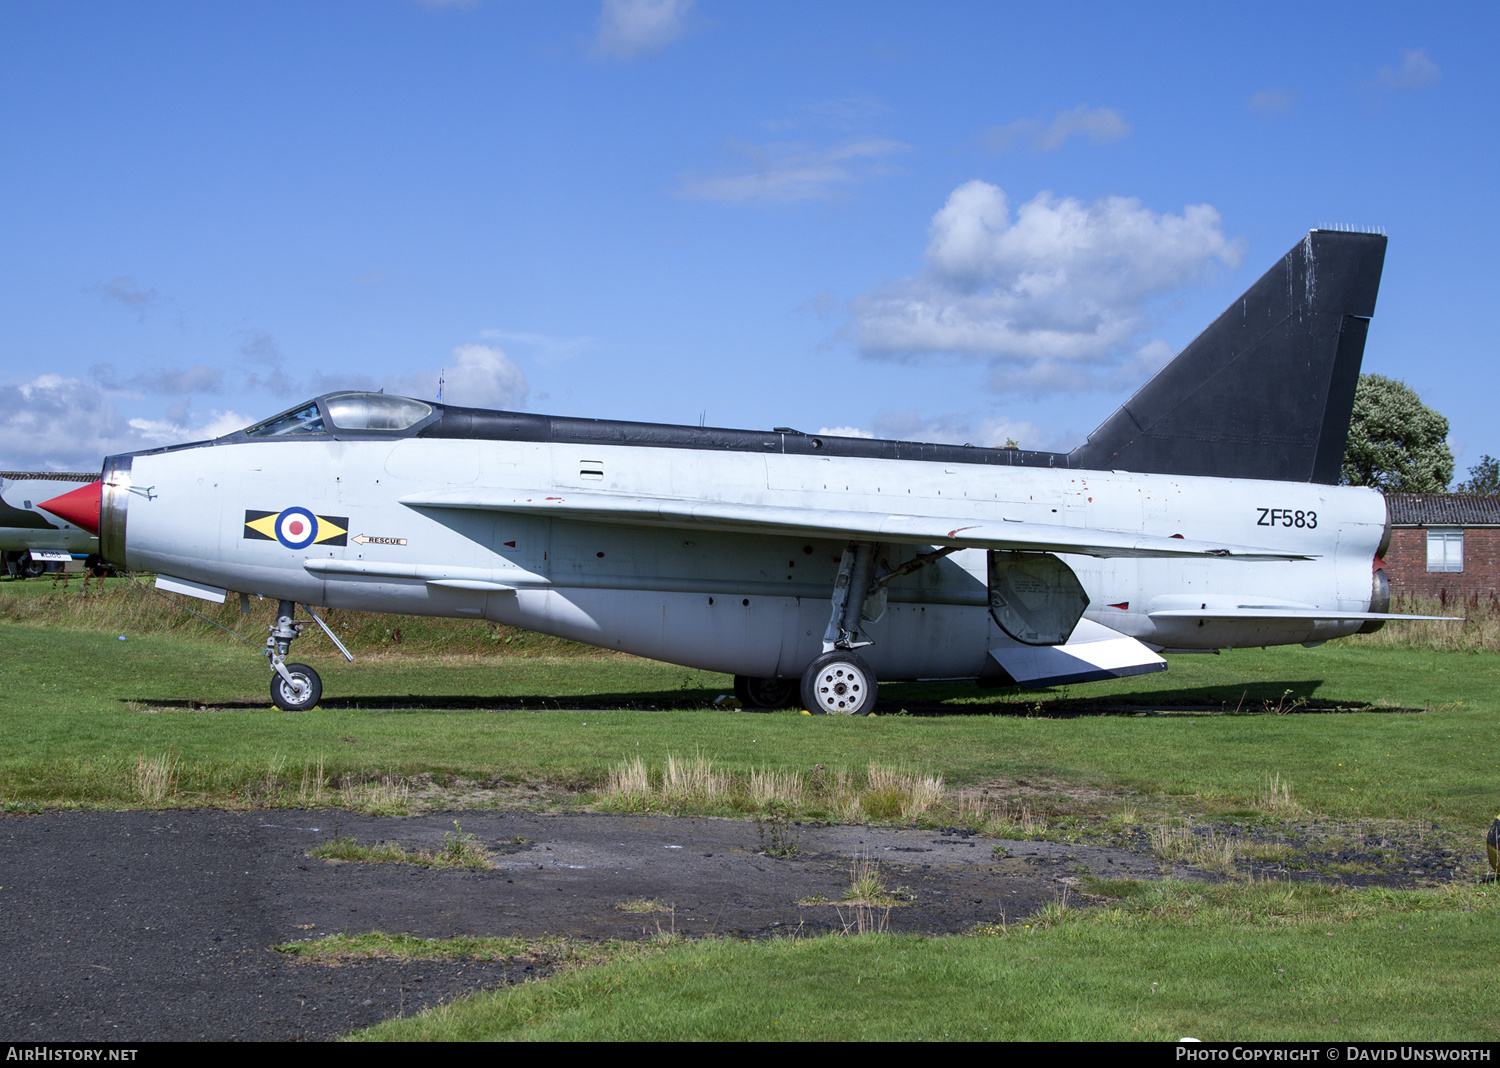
[{"x": 1008, "y": 534}]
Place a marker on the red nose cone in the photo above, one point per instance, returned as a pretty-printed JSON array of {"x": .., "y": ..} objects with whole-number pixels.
[{"x": 79, "y": 507}]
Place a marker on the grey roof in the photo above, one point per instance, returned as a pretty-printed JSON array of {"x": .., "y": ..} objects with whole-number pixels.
[
  {"x": 50, "y": 476},
  {"x": 1443, "y": 509}
]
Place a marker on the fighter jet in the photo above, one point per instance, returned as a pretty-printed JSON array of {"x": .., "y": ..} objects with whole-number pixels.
[
  {"x": 1203, "y": 514},
  {"x": 30, "y": 542}
]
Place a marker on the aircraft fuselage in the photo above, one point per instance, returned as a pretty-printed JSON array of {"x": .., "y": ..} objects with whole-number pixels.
[{"x": 747, "y": 604}]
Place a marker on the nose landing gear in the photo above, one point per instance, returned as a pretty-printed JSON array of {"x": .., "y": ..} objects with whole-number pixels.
[{"x": 294, "y": 687}]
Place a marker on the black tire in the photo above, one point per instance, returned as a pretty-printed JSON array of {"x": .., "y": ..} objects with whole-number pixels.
[
  {"x": 840, "y": 684},
  {"x": 286, "y": 698},
  {"x": 757, "y": 693},
  {"x": 32, "y": 568}
]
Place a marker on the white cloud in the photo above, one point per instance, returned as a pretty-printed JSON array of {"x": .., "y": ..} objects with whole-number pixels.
[
  {"x": 960, "y": 428},
  {"x": 477, "y": 376},
  {"x": 61, "y": 424},
  {"x": 1416, "y": 70},
  {"x": 1270, "y": 102},
  {"x": 845, "y": 432},
  {"x": 1100, "y": 125},
  {"x": 196, "y": 379},
  {"x": 171, "y": 432},
  {"x": 784, "y": 173},
  {"x": 548, "y": 349},
  {"x": 632, "y": 29},
  {"x": 484, "y": 377},
  {"x": 1061, "y": 284}
]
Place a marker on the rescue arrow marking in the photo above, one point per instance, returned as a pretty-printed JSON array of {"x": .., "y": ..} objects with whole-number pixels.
[{"x": 362, "y": 539}]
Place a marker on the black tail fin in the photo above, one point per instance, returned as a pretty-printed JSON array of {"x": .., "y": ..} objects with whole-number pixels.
[{"x": 1266, "y": 391}]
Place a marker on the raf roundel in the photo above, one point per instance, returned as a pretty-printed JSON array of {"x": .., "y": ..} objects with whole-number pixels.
[{"x": 296, "y": 528}]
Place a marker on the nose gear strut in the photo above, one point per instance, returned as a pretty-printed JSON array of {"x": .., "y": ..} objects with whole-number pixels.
[{"x": 295, "y": 687}]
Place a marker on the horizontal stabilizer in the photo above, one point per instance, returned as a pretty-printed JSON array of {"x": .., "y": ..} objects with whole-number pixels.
[
  {"x": 948, "y": 531},
  {"x": 1254, "y": 612},
  {"x": 1093, "y": 652}
]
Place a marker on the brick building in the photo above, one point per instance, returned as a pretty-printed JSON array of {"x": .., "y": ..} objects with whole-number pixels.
[{"x": 1444, "y": 545}]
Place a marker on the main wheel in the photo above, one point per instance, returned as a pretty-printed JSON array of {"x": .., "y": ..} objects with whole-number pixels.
[
  {"x": 764, "y": 693},
  {"x": 32, "y": 568},
  {"x": 838, "y": 684},
  {"x": 304, "y": 691}
]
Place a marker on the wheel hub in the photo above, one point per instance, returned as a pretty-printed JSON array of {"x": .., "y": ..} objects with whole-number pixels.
[{"x": 842, "y": 689}]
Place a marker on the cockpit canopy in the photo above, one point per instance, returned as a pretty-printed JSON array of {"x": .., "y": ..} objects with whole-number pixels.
[
  {"x": 375, "y": 411},
  {"x": 346, "y": 411}
]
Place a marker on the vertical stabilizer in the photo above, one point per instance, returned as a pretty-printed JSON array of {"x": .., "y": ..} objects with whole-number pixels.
[{"x": 1267, "y": 390}]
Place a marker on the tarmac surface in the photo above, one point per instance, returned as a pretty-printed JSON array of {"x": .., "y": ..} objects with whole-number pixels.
[{"x": 142, "y": 926}]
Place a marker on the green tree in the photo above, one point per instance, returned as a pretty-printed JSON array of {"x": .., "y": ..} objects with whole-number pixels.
[
  {"x": 1396, "y": 443},
  {"x": 1484, "y": 477}
]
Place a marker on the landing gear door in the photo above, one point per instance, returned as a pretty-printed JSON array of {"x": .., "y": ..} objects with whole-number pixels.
[{"x": 1035, "y": 597}]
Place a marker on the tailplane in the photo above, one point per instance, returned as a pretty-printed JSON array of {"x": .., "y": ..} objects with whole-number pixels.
[{"x": 1267, "y": 390}]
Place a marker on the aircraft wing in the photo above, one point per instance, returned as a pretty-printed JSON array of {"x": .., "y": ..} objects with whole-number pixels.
[{"x": 1009, "y": 534}]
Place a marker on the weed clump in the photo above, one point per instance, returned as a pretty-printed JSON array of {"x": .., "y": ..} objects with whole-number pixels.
[
  {"x": 695, "y": 784},
  {"x": 1183, "y": 844},
  {"x": 1002, "y": 819},
  {"x": 387, "y": 795},
  {"x": 695, "y": 781},
  {"x": 155, "y": 777},
  {"x": 1275, "y": 797},
  {"x": 895, "y": 793},
  {"x": 642, "y": 905},
  {"x": 459, "y": 850}
]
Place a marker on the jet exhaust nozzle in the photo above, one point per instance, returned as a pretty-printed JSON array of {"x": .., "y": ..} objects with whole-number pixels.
[{"x": 114, "y": 505}]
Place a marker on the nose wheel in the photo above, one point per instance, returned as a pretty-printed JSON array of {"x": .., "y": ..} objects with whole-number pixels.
[
  {"x": 298, "y": 690},
  {"x": 838, "y": 684}
]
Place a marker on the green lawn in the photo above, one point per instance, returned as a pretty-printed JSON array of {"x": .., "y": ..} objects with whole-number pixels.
[
  {"x": 1227, "y": 963},
  {"x": 78, "y": 707}
]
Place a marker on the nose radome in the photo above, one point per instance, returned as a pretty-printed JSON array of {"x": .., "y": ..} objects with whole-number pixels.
[{"x": 79, "y": 507}]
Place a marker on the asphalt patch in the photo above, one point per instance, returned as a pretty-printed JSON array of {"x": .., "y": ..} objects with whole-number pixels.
[{"x": 141, "y": 926}]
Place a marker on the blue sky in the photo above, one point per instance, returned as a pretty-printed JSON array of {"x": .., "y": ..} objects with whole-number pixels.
[{"x": 958, "y": 222}]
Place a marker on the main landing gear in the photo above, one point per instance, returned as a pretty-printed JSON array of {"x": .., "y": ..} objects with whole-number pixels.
[
  {"x": 294, "y": 687},
  {"x": 839, "y": 682}
]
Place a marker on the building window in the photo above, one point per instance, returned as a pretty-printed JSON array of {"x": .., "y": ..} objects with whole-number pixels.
[{"x": 1445, "y": 549}]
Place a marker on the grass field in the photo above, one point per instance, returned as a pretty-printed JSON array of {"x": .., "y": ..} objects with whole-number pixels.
[
  {"x": 1159, "y": 962},
  {"x": 79, "y": 709},
  {"x": 1355, "y": 733}
]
